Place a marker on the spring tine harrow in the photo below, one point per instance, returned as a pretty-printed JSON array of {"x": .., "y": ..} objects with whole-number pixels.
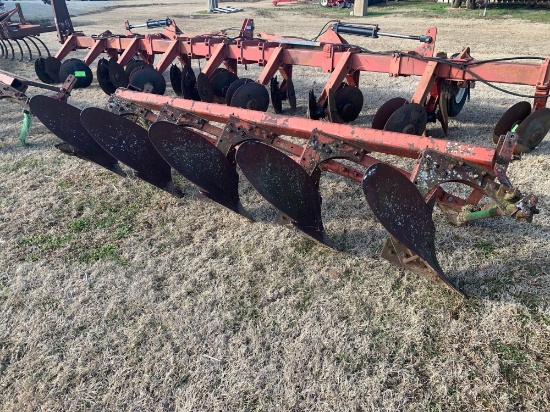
[
  {"x": 128, "y": 142},
  {"x": 20, "y": 30}
]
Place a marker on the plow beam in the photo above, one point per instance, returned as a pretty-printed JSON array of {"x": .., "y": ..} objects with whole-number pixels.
[{"x": 399, "y": 144}]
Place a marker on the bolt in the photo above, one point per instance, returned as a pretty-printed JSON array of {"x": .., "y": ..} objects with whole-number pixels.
[{"x": 450, "y": 199}]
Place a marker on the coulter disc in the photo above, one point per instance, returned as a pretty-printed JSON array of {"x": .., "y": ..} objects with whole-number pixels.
[
  {"x": 40, "y": 70},
  {"x": 511, "y": 119},
  {"x": 103, "y": 79},
  {"x": 129, "y": 143},
  {"x": 117, "y": 75},
  {"x": 221, "y": 82},
  {"x": 532, "y": 130},
  {"x": 199, "y": 161},
  {"x": 277, "y": 96},
  {"x": 189, "y": 84},
  {"x": 148, "y": 77},
  {"x": 133, "y": 65},
  {"x": 233, "y": 88},
  {"x": 252, "y": 96},
  {"x": 349, "y": 103},
  {"x": 410, "y": 119},
  {"x": 291, "y": 94},
  {"x": 72, "y": 66},
  {"x": 386, "y": 110},
  {"x": 175, "y": 79},
  {"x": 52, "y": 66},
  {"x": 284, "y": 184},
  {"x": 63, "y": 120},
  {"x": 402, "y": 210},
  {"x": 206, "y": 91}
]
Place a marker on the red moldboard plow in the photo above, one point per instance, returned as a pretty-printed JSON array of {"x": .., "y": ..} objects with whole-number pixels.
[
  {"x": 443, "y": 88},
  {"x": 180, "y": 134},
  {"x": 20, "y": 32}
]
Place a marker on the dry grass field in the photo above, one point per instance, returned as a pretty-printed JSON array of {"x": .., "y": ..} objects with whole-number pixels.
[{"x": 117, "y": 296}]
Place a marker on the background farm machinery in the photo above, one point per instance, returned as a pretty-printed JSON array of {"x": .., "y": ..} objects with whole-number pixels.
[
  {"x": 138, "y": 61},
  {"x": 18, "y": 32}
]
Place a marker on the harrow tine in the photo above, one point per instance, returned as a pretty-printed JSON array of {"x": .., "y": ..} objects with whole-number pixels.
[
  {"x": 199, "y": 161},
  {"x": 404, "y": 213},
  {"x": 12, "y": 51},
  {"x": 43, "y": 44},
  {"x": 63, "y": 120},
  {"x": 20, "y": 49},
  {"x": 28, "y": 48},
  {"x": 284, "y": 184},
  {"x": 31, "y": 39},
  {"x": 128, "y": 142},
  {"x": 3, "y": 50}
]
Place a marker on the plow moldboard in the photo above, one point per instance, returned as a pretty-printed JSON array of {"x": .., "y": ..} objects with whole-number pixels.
[
  {"x": 199, "y": 161},
  {"x": 129, "y": 143},
  {"x": 63, "y": 120}
]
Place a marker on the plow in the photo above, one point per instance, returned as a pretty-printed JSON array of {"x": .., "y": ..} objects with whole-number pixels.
[
  {"x": 138, "y": 61},
  {"x": 153, "y": 135},
  {"x": 217, "y": 131},
  {"x": 21, "y": 32}
]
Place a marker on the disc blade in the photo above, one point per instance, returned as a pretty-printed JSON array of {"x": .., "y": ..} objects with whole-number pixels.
[
  {"x": 385, "y": 111},
  {"x": 410, "y": 118},
  {"x": 199, "y": 161},
  {"x": 221, "y": 82},
  {"x": 402, "y": 210},
  {"x": 349, "y": 103},
  {"x": 103, "y": 79},
  {"x": 251, "y": 96},
  {"x": 147, "y": 78},
  {"x": 53, "y": 66},
  {"x": 284, "y": 184},
  {"x": 206, "y": 92},
  {"x": 129, "y": 143},
  {"x": 175, "y": 79},
  {"x": 40, "y": 70},
  {"x": 532, "y": 130},
  {"x": 511, "y": 117},
  {"x": 117, "y": 74},
  {"x": 63, "y": 120},
  {"x": 233, "y": 88}
]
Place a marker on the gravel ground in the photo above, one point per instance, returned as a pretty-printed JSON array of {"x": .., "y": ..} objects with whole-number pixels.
[{"x": 116, "y": 296}]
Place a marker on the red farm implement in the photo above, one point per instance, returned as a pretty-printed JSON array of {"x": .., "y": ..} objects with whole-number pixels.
[
  {"x": 183, "y": 135},
  {"x": 20, "y": 32},
  {"x": 137, "y": 61}
]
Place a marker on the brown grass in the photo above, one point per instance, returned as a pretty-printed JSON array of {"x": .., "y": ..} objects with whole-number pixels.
[{"x": 116, "y": 296}]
